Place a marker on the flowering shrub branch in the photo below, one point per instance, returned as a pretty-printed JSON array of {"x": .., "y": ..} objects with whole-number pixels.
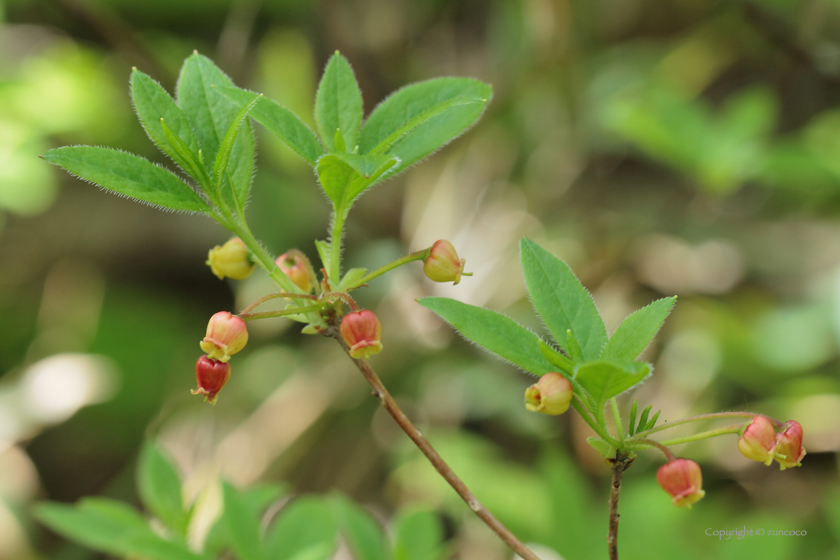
[{"x": 207, "y": 132}]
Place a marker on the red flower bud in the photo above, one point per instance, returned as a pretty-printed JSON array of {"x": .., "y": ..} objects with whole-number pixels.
[
  {"x": 230, "y": 260},
  {"x": 682, "y": 479},
  {"x": 443, "y": 264},
  {"x": 758, "y": 441},
  {"x": 226, "y": 335},
  {"x": 211, "y": 377},
  {"x": 552, "y": 394},
  {"x": 362, "y": 332},
  {"x": 294, "y": 267},
  {"x": 789, "y": 450}
]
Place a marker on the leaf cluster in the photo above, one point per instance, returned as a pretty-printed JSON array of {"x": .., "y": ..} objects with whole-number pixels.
[
  {"x": 599, "y": 366},
  {"x": 247, "y": 527},
  {"x": 206, "y": 131}
]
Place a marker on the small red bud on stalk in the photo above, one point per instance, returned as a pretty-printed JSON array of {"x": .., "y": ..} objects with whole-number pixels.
[
  {"x": 443, "y": 263},
  {"x": 211, "y": 377},
  {"x": 682, "y": 479},
  {"x": 294, "y": 267},
  {"x": 230, "y": 260},
  {"x": 362, "y": 331},
  {"x": 758, "y": 441},
  {"x": 226, "y": 335},
  {"x": 789, "y": 450},
  {"x": 552, "y": 394}
]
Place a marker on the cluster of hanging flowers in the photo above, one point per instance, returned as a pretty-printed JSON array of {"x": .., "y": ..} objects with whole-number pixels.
[
  {"x": 360, "y": 329},
  {"x": 761, "y": 439}
]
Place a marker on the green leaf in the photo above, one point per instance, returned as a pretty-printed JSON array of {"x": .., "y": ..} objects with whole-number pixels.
[
  {"x": 605, "y": 449},
  {"x": 557, "y": 359},
  {"x": 644, "y": 418},
  {"x": 243, "y": 527},
  {"x": 604, "y": 380},
  {"x": 306, "y": 524},
  {"x": 211, "y": 115},
  {"x": 418, "y": 535},
  {"x": 128, "y": 175},
  {"x": 421, "y": 118},
  {"x": 194, "y": 165},
  {"x": 281, "y": 122},
  {"x": 152, "y": 547},
  {"x": 652, "y": 422},
  {"x": 345, "y": 176},
  {"x": 351, "y": 277},
  {"x": 573, "y": 347},
  {"x": 338, "y": 104},
  {"x": 323, "y": 248},
  {"x": 637, "y": 330},
  {"x": 152, "y": 104},
  {"x": 493, "y": 332},
  {"x": 160, "y": 488},
  {"x": 631, "y": 427},
  {"x": 111, "y": 527},
  {"x": 96, "y": 523},
  {"x": 317, "y": 552},
  {"x": 561, "y": 300},
  {"x": 363, "y": 534},
  {"x": 223, "y": 157},
  {"x": 386, "y": 143},
  {"x": 259, "y": 497}
]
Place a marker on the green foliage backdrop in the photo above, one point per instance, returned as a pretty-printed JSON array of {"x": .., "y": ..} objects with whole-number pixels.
[{"x": 660, "y": 148}]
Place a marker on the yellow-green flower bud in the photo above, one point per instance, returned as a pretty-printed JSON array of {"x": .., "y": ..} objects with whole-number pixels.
[
  {"x": 230, "y": 260},
  {"x": 443, "y": 263},
  {"x": 552, "y": 394}
]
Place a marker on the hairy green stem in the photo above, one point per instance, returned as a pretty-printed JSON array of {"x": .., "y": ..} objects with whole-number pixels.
[
  {"x": 335, "y": 246},
  {"x": 617, "y": 417},
  {"x": 604, "y": 434},
  {"x": 411, "y": 257},
  {"x": 701, "y": 417},
  {"x": 349, "y": 301},
  {"x": 270, "y": 297},
  {"x": 732, "y": 429},
  {"x": 265, "y": 260},
  {"x": 283, "y": 313}
]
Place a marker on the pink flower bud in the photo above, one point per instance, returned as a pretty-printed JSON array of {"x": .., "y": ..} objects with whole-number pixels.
[
  {"x": 682, "y": 479},
  {"x": 758, "y": 441},
  {"x": 211, "y": 377},
  {"x": 789, "y": 450},
  {"x": 443, "y": 264},
  {"x": 552, "y": 394},
  {"x": 362, "y": 332},
  {"x": 226, "y": 335},
  {"x": 230, "y": 260},
  {"x": 294, "y": 267}
]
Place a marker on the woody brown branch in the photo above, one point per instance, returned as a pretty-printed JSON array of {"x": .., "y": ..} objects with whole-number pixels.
[
  {"x": 619, "y": 465},
  {"x": 437, "y": 461}
]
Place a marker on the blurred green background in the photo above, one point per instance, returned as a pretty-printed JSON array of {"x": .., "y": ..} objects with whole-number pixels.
[{"x": 660, "y": 147}]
